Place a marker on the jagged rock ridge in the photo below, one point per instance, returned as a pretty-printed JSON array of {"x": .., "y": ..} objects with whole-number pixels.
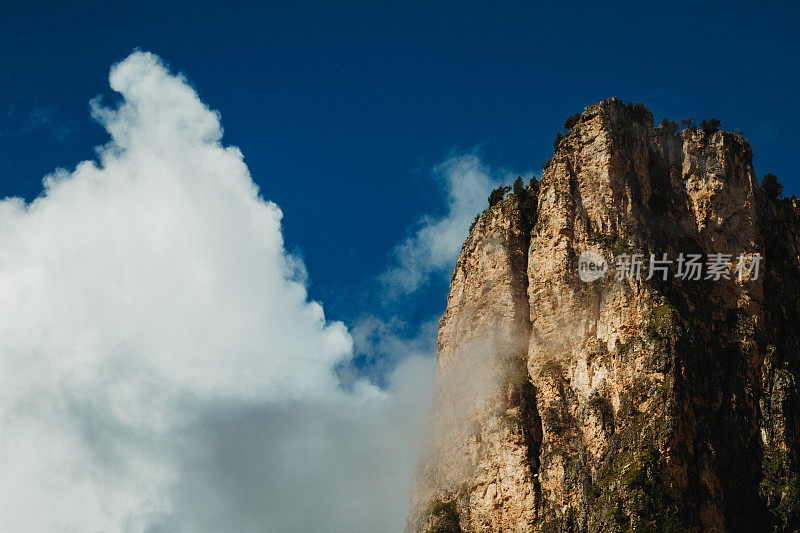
[{"x": 620, "y": 404}]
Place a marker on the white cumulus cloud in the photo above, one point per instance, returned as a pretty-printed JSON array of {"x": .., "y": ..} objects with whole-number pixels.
[
  {"x": 434, "y": 244},
  {"x": 161, "y": 366}
]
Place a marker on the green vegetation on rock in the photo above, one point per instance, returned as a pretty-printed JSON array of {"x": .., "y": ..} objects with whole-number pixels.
[
  {"x": 572, "y": 121},
  {"x": 497, "y": 195},
  {"x": 771, "y": 187},
  {"x": 444, "y": 517}
]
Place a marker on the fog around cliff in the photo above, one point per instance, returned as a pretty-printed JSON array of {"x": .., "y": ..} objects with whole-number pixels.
[{"x": 161, "y": 365}]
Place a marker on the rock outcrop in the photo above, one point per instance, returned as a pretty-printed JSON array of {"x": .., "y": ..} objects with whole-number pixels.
[{"x": 621, "y": 404}]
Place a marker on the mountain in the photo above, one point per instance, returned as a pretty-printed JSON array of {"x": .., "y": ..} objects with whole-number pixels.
[{"x": 649, "y": 402}]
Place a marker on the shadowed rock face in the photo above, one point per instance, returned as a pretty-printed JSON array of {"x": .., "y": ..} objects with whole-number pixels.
[{"x": 620, "y": 404}]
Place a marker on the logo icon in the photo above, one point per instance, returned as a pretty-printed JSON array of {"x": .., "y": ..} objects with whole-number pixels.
[{"x": 591, "y": 266}]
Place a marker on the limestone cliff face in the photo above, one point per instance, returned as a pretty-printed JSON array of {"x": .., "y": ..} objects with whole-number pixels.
[{"x": 620, "y": 404}]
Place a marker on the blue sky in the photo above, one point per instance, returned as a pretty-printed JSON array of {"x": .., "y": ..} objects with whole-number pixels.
[{"x": 342, "y": 109}]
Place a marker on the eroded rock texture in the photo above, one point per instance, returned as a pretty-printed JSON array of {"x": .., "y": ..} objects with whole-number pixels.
[{"x": 620, "y": 404}]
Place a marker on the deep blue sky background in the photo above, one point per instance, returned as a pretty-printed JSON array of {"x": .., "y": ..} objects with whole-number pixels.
[{"x": 341, "y": 109}]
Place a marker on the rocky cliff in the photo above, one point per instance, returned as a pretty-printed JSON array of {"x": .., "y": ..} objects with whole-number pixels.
[{"x": 628, "y": 403}]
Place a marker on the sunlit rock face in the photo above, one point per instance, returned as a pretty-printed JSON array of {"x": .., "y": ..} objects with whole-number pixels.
[{"x": 622, "y": 403}]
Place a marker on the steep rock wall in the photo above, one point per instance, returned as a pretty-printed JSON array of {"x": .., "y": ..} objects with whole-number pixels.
[{"x": 620, "y": 404}]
